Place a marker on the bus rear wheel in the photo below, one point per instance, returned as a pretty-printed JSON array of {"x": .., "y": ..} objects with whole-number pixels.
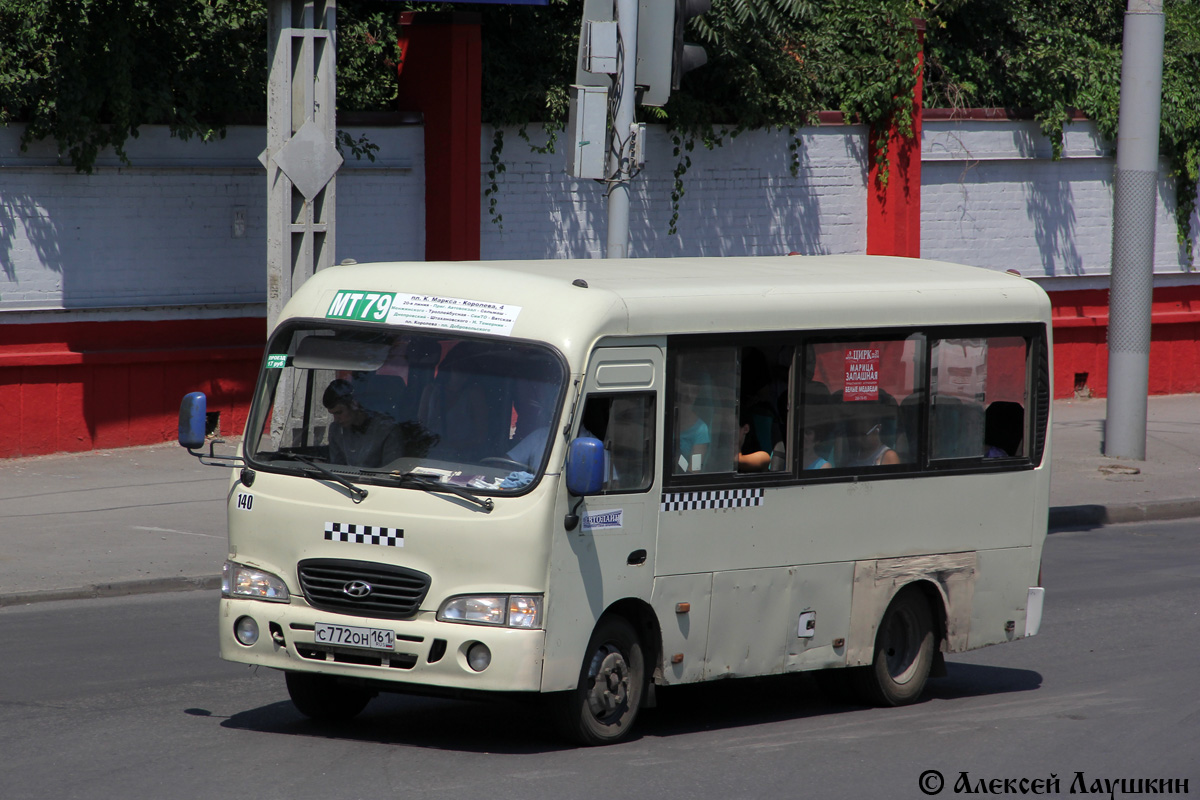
[
  {"x": 324, "y": 699},
  {"x": 904, "y": 648},
  {"x": 603, "y": 707}
]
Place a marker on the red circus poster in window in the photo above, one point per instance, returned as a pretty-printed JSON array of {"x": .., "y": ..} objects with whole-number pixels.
[{"x": 862, "y": 374}]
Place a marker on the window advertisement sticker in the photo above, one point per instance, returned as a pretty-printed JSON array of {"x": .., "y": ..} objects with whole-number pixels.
[
  {"x": 277, "y": 360},
  {"x": 862, "y": 374}
]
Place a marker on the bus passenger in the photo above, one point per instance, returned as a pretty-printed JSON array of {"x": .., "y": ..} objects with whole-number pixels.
[
  {"x": 1003, "y": 429},
  {"x": 694, "y": 436},
  {"x": 866, "y": 446},
  {"x": 751, "y": 457},
  {"x": 815, "y": 435},
  {"x": 359, "y": 437},
  {"x": 811, "y": 458}
]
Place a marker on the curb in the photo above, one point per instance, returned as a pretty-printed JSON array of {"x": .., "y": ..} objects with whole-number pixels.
[
  {"x": 115, "y": 589},
  {"x": 1092, "y": 516}
]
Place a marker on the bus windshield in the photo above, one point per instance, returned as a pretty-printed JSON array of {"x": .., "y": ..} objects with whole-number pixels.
[{"x": 378, "y": 405}]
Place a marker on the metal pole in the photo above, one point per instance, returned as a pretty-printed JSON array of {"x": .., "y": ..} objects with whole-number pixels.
[
  {"x": 1135, "y": 182},
  {"x": 622, "y": 103}
]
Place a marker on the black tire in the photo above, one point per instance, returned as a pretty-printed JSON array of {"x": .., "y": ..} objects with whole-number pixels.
[
  {"x": 324, "y": 699},
  {"x": 904, "y": 648},
  {"x": 605, "y": 704}
]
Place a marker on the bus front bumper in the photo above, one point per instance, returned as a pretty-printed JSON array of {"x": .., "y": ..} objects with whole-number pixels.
[{"x": 427, "y": 653}]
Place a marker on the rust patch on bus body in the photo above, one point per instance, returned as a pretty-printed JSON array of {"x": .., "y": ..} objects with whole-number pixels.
[{"x": 877, "y": 581}]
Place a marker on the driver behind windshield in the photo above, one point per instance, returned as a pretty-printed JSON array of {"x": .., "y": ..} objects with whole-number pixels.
[
  {"x": 534, "y": 399},
  {"x": 358, "y": 436}
]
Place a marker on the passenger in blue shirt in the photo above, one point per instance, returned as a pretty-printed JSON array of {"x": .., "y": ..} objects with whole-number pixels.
[{"x": 694, "y": 436}]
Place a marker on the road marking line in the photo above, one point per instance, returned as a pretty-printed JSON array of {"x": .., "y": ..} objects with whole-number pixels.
[{"x": 169, "y": 530}]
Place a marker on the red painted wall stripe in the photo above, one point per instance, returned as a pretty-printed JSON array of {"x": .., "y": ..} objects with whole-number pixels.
[
  {"x": 1080, "y": 320},
  {"x": 68, "y": 387}
]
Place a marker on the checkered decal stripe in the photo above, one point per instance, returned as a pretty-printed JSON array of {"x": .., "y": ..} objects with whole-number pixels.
[
  {"x": 364, "y": 534},
  {"x": 726, "y": 498}
]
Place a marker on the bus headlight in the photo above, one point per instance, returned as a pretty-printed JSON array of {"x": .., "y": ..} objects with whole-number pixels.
[
  {"x": 510, "y": 610},
  {"x": 238, "y": 580}
]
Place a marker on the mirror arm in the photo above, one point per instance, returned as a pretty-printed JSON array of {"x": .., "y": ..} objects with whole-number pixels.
[
  {"x": 215, "y": 459},
  {"x": 571, "y": 520}
]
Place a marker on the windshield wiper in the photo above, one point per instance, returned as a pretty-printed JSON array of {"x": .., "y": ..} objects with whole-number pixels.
[
  {"x": 415, "y": 480},
  {"x": 357, "y": 494}
]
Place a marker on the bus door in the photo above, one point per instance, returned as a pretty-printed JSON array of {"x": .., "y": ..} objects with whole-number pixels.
[
  {"x": 609, "y": 554},
  {"x": 620, "y": 407}
]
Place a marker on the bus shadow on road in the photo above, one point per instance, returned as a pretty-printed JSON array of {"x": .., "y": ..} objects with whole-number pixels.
[
  {"x": 981, "y": 680},
  {"x": 485, "y": 726},
  {"x": 755, "y": 701},
  {"x": 510, "y": 727}
]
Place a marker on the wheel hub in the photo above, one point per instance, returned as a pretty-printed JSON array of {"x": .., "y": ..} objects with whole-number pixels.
[{"x": 610, "y": 682}]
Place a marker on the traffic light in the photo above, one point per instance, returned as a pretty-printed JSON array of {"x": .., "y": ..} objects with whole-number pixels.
[
  {"x": 686, "y": 57},
  {"x": 663, "y": 56}
]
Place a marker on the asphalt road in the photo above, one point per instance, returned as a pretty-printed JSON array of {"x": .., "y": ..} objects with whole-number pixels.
[{"x": 126, "y": 698}]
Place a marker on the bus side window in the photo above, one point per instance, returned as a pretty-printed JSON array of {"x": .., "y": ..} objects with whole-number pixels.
[
  {"x": 704, "y": 419},
  {"x": 979, "y": 398},
  {"x": 764, "y": 408},
  {"x": 861, "y": 403},
  {"x": 625, "y": 423}
]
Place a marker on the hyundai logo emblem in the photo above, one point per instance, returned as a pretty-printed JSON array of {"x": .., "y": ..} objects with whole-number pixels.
[{"x": 357, "y": 589}]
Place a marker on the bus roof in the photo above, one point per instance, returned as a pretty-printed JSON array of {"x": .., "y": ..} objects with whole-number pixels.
[{"x": 659, "y": 296}]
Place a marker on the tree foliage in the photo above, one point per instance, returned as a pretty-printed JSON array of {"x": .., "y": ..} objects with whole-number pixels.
[
  {"x": 88, "y": 73},
  {"x": 1053, "y": 57}
]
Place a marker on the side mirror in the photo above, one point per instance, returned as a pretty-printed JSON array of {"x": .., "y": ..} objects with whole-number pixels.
[
  {"x": 193, "y": 415},
  {"x": 585, "y": 466}
]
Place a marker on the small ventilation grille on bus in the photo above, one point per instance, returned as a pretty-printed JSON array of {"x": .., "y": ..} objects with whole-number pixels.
[
  {"x": 1042, "y": 404},
  {"x": 337, "y": 585}
]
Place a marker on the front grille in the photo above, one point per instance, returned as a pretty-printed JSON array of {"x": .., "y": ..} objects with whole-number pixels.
[{"x": 396, "y": 592}]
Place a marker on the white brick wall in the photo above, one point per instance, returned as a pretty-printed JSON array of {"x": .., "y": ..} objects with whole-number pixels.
[
  {"x": 740, "y": 199},
  {"x": 160, "y": 233},
  {"x": 991, "y": 196}
]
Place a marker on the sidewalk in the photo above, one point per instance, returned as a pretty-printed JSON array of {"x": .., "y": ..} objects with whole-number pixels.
[
  {"x": 152, "y": 519},
  {"x": 1087, "y": 489}
]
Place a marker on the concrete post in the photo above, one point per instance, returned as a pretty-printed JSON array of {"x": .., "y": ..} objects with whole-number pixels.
[{"x": 1135, "y": 184}]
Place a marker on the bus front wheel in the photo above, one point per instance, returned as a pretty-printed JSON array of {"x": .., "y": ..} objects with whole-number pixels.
[
  {"x": 603, "y": 707},
  {"x": 324, "y": 699},
  {"x": 904, "y": 648}
]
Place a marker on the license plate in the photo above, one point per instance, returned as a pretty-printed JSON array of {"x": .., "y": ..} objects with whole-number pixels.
[{"x": 347, "y": 636}]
